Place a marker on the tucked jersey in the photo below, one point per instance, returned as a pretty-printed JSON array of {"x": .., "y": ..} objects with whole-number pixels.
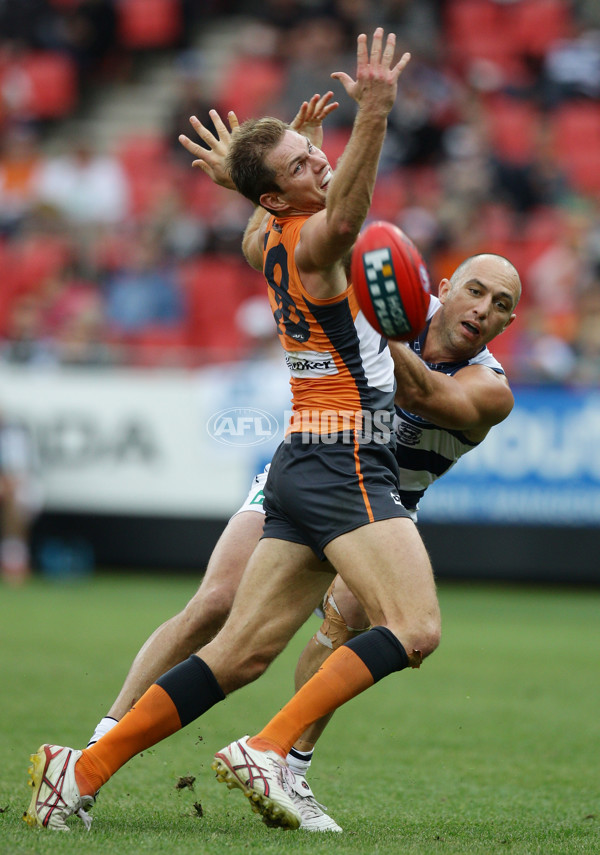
[
  {"x": 339, "y": 365},
  {"x": 425, "y": 451}
]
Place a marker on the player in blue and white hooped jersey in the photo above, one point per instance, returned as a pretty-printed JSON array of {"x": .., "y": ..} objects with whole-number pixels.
[{"x": 424, "y": 450}]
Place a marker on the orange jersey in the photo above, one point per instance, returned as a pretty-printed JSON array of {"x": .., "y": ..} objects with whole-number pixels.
[{"x": 341, "y": 368}]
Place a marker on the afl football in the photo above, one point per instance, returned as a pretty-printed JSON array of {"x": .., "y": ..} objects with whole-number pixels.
[{"x": 390, "y": 281}]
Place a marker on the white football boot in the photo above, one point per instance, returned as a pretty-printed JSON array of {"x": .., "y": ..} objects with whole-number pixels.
[
  {"x": 313, "y": 814},
  {"x": 55, "y": 793},
  {"x": 264, "y": 778}
]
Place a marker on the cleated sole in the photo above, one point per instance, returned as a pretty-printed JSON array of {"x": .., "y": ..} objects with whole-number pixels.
[
  {"x": 36, "y": 774},
  {"x": 273, "y": 814}
]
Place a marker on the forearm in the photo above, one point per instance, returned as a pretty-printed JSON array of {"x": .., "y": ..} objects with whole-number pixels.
[
  {"x": 252, "y": 240},
  {"x": 416, "y": 384},
  {"x": 473, "y": 399},
  {"x": 351, "y": 189}
]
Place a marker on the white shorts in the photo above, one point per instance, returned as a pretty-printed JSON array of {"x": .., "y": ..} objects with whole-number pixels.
[{"x": 255, "y": 498}]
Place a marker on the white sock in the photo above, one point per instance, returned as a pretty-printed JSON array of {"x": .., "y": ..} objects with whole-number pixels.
[
  {"x": 299, "y": 761},
  {"x": 102, "y": 728}
]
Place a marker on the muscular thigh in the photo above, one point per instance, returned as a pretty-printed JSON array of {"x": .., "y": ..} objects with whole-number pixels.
[
  {"x": 386, "y": 566},
  {"x": 232, "y": 551},
  {"x": 281, "y": 586}
]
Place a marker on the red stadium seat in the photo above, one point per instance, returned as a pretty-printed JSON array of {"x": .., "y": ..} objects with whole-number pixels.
[
  {"x": 513, "y": 127},
  {"x": 389, "y": 197},
  {"x": 147, "y": 149},
  {"x": 251, "y": 87},
  {"x": 150, "y": 171},
  {"x": 475, "y": 29},
  {"x": 149, "y": 23},
  {"x": 53, "y": 84},
  {"x": 156, "y": 346},
  {"x": 540, "y": 23},
  {"x": 215, "y": 287},
  {"x": 576, "y": 129},
  {"x": 34, "y": 259},
  {"x": 334, "y": 143}
]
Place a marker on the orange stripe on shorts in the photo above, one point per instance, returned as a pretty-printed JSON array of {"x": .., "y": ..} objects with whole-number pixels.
[{"x": 361, "y": 480}]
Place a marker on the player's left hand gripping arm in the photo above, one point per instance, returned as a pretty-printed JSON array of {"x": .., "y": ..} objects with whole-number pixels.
[{"x": 472, "y": 400}]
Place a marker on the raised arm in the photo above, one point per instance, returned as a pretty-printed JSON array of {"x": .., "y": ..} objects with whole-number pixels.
[
  {"x": 473, "y": 400},
  {"x": 328, "y": 235}
]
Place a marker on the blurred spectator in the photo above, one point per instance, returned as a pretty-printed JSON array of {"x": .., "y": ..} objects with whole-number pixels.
[
  {"x": 560, "y": 275},
  {"x": 90, "y": 35},
  {"x": 417, "y": 25},
  {"x": 25, "y": 342},
  {"x": 15, "y": 86},
  {"x": 72, "y": 317},
  {"x": 424, "y": 108},
  {"x": 21, "y": 500},
  {"x": 587, "y": 339},
  {"x": 26, "y": 21},
  {"x": 20, "y": 164},
  {"x": 315, "y": 47},
  {"x": 193, "y": 98},
  {"x": 572, "y": 68},
  {"x": 86, "y": 188},
  {"x": 145, "y": 293}
]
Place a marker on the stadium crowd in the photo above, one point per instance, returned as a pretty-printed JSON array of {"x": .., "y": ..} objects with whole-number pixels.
[{"x": 127, "y": 256}]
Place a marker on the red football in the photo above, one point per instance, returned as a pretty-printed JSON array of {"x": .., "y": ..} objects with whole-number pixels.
[{"x": 390, "y": 281}]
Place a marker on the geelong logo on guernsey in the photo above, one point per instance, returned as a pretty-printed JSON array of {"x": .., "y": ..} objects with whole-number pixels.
[
  {"x": 381, "y": 278},
  {"x": 310, "y": 363}
]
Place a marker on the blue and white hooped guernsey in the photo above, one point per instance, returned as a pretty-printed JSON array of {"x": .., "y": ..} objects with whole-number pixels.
[{"x": 425, "y": 451}]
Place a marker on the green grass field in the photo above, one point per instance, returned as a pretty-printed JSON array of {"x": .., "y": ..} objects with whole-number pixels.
[{"x": 492, "y": 747}]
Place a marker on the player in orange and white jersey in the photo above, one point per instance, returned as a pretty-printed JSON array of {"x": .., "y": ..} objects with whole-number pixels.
[{"x": 331, "y": 498}]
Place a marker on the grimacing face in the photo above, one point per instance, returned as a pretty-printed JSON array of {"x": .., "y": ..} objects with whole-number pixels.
[
  {"x": 303, "y": 174},
  {"x": 478, "y": 304}
]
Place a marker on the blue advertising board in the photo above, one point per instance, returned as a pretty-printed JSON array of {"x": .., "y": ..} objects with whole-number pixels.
[{"x": 541, "y": 466}]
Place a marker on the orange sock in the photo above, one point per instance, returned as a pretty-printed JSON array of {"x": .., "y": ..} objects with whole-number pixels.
[
  {"x": 341, "y": 677},
  {"x": 154, "y": 717}
]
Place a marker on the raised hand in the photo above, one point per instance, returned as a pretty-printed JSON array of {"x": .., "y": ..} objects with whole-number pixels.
[
  {"x": 212, "y": 159},
  {"x": 376, "y": 81},
  {"x": 309, "y": 118}
]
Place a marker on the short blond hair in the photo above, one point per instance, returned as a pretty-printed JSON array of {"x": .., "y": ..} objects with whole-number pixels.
[{"x": 250, "y": 144}]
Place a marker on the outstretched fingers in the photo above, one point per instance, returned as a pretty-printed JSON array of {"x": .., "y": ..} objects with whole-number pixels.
[
  {"x": 376, "y": 46},
  {"x": 222, "y": 130},
  {"x": 401, "y": 64},
  {"x": 390, "y": 49}
]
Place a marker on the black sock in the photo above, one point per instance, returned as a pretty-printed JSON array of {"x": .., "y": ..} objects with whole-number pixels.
[
  {"x": 380, "y": 650},
  {"x": 192, "y": 687}
]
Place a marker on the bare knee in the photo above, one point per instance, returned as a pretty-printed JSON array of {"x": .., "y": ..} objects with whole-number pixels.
[
  {"x": 420, "y": 640},
  {"x": 344, "y": 617}
]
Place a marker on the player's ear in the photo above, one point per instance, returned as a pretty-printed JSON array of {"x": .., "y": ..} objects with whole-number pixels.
[
  {"x": 509, "y": 322},
  {"x": 272, "y": 201},
  {"x": 443, "y": 289}
]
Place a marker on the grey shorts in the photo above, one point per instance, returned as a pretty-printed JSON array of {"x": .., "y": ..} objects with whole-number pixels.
[{"x": 318, "y": 491}]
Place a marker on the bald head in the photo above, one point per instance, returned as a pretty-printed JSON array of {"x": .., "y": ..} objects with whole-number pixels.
[{"x": 484, "y": 265}]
